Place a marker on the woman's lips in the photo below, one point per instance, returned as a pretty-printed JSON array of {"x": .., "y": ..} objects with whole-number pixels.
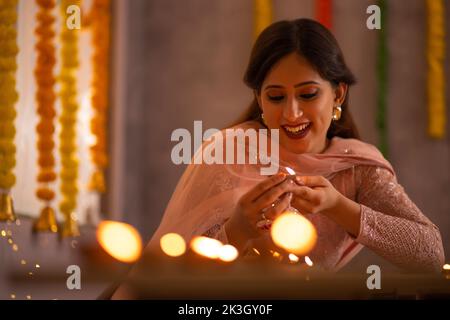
[{"x": 297, "y": 132}]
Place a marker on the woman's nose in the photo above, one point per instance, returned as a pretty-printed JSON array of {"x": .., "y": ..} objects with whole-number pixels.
[{"x": 292, "y": 111}]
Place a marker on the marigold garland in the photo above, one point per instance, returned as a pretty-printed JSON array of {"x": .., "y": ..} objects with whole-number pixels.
[
  {"x": 45, "y": 99},
  {"x": 436, "y": 62},
  {"x": 68, "y": 120},
  {"x": 99, "y": 22},
  {"x": 8, "y": 99},
  {"x": 263, "y": 15}
]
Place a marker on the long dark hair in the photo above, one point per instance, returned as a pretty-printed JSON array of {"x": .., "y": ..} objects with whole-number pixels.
[{"x": 318, "y": 46}]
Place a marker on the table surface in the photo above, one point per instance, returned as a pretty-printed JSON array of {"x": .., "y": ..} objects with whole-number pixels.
[
  {"x": 201, "y": 279},
  {"x": 189, "y": 277}
]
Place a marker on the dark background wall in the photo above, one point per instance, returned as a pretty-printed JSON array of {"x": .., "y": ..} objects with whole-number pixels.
[{"x": 185, "y": 61}]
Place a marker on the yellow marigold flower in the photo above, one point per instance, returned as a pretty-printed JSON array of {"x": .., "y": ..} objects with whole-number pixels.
[
  {"x": 69, "y": 162},
  {"x": 7, "y": 130},
  {"x": 8, "y": 17},
  {"x": 69, "y": 174},
  {"x": 45, "y": 127},
  {"x": 8, "y": 113},
  {"x": 46, "y": 160},
  {"x": 8, "y": 98},
  {"x": 7, "y": 32},
  {"x": 45, "y": 144},
  {"x": 7, "y": 180},
  {"x": 7, "y": 162},
  {"x": 68, "y": 205},
  {"x": 46, "y": 175},
  {"x": 69, "y": 188},
  {"x": 45, "y": 194},
  {"x": 7, "y": 146}
]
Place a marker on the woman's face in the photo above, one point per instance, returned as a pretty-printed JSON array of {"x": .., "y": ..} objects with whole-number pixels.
[{"x": 298, "y": 102}]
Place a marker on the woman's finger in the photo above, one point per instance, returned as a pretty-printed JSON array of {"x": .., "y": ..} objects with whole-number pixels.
[
  {"x": 263, "y": 186},
  {"x": 303, "y": 206},
  {"x": 306, "y": 193},
  {"x": 279, "y": 207},
  {"x": 312, "y": 181},
  {"x": 273, "y": 194}
]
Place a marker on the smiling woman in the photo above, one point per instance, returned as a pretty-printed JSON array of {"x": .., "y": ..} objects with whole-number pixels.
[
  {"x": 343, "y": 186},
  {"x": 300, "y": 104},
  {"x": 297, "y": 71}
]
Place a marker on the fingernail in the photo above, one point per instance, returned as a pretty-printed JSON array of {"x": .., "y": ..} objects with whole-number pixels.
[{"x": 300, "y": 181}]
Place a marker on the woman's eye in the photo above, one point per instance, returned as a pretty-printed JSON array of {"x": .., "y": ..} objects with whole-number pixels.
[
  {"x": 276, "y": 98},
  {"x": 308, "y": 96}
]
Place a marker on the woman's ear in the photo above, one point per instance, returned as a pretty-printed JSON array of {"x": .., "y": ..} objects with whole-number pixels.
[
  {"x": 340, "y": 92},
  {"x": 258, "y": 98}
]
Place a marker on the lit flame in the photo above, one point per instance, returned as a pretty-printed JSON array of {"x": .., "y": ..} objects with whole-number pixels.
[
  {"x": 120, "y": 240},
  {"x": 308, "y": 261},
  {"x": 293, "y": 258},
  {"x": 206, "y": 247},
  {"x": 294, "y": 233},
  {"x": 446, "y": 267},
  {"x": 290, "y": 171},
  {"x": 228, "y": 253},
  {"x": 173, "y": 244}
]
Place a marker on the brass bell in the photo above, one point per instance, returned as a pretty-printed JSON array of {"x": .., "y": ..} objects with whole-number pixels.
[
  {"x": 6, "y": 207},
  {"x": 46, "y": 221},
  {"x": 70, "y": 227},
  {"x": 97, "y": 182}
]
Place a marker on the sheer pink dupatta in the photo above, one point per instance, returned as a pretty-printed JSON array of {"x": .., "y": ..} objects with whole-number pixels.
[{"x": 207, "y": 194}]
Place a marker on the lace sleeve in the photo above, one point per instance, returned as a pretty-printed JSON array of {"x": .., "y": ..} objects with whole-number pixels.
[
  {"x": 217, "y": 231},
  {"x": 393, "y": 226}
]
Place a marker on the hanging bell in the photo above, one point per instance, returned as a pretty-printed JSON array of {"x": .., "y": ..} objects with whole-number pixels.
[
  {"x": 70, "y": 226},
  {"x": 46, "y": 221},
  {"x": 6, "y": 207}
]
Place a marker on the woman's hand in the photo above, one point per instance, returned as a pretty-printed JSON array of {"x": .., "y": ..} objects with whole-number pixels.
[
  {"x": 270, "y": 197},
  {"x": 317, "y": 194},
  {"x": 314, "y": 194}
]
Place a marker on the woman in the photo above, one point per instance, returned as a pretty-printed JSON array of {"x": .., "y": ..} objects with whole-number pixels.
[{"x": 344, "y": 186}]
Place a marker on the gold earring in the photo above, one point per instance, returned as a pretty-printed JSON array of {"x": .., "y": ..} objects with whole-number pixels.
[
  {"x": 263, "y": 120},
  {"x": 337, "y": 112}
]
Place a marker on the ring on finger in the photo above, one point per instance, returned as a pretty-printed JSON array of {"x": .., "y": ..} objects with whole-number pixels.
[{"x": 265, "y": 223}]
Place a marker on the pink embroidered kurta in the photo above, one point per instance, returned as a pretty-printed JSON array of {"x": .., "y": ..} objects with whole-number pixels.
[{"x": 391, "y": 224}]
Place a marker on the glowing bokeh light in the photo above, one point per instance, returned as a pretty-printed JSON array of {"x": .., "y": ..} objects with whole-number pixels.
[
  {"x": 206, "y": 247},
  {"x": 120, "y": 240},
  {"x": 308, "y": 261},
  {"x": 228, "y": 253},
  {"x": 293, "y": 258},
  {"x": 276, "y": 255},
  {"x": 173, "y": 244},
  {"x": 294, "y": 233}
]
